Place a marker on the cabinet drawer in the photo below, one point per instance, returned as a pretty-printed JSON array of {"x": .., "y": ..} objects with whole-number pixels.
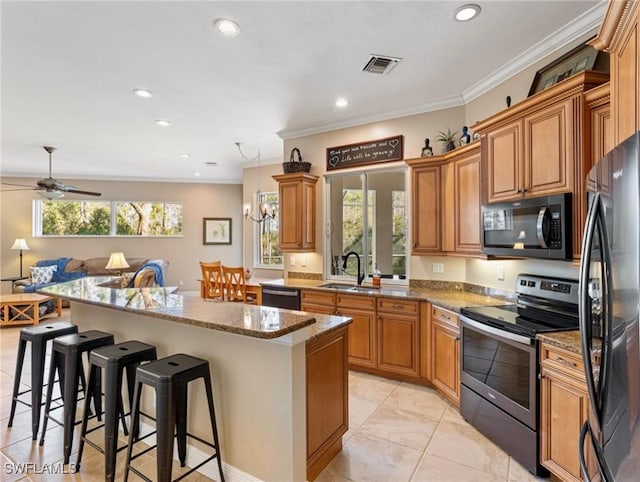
[
  {"x": 356, "y": 302},
  {"x": 445, "y": 316},
  {"x": 395, "y": 305},
  {"x": 318, "y": 297},
  {"x": 562, "y": 360},
  {"x": 314, "y": 308}
]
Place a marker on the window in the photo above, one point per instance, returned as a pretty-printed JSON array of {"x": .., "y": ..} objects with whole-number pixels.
[
  {"x": 268, "y": 237},
  {"x": 107, "y": 218},
  {"x": 368, "y": 215}
]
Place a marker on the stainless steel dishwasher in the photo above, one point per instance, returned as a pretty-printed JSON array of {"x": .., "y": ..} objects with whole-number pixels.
[{"x": 281, "y": 297}]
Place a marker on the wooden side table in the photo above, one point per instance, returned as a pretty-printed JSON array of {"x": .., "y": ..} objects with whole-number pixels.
[
  {"x": 25, "y": 308},
  {"x": 13, "y": 280}
]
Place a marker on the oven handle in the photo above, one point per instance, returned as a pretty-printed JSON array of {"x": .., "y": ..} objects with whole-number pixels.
[{"x": 525, "y": 340}]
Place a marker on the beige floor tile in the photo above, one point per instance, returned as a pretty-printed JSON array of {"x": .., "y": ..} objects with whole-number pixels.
[
  {"x": 517, "y": 473},
  {"x": 370, "y": 387},
  {"x": 437, "y": 469},
  {"x": 462, "y": 443},
  {"x": 452, "y": 414},
  {"x": 419, "y": 399},
  {"x": 403, "y": 427},
  {"x": 360, "y": 409},
  {"x": 366, "y": 459}
]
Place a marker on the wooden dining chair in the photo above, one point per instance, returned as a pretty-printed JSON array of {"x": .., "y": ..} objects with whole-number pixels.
[
  {"x": 213, "y": 279},
  {"x": 235, "y": 285}
]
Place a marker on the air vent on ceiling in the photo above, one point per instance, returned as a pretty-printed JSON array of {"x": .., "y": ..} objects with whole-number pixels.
[
  {"x": 378, "y": 64},
  {"x": 211, "y": 163}
]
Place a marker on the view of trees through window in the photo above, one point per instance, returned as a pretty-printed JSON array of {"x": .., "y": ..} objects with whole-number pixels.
[
  {"x": 96, "y": 218},
  {"x": 269, "y": 253}
]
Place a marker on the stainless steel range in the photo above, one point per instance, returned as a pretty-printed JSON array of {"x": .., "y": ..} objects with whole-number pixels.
[{"x": 500, "y": 364}]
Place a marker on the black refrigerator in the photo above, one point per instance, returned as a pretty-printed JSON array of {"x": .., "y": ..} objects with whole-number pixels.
[{"x": 609, "y": 305}]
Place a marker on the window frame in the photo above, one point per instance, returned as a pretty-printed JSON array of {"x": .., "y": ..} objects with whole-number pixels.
[
  {"x": 363, "y": 173},
  {"x": 38, "y": 212}
]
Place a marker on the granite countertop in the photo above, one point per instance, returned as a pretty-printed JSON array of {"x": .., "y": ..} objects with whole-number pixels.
[
  {"x": 449, "y": 299},
  {"x": 569, "y": 340},
  {"x": 166, "y": 303}
]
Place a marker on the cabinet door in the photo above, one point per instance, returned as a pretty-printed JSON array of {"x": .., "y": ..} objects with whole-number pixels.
[
  {"x": 398, "y": 343},
  {"x": 427, "y": 202},
  {"x": 625, "y": 80},
  {"x": 445, "y": 359},
  {"x": 504, "y": 162},
  {"x": 467, "y": 205},
  {"x": 290, "y": 215},
  {"x": 548, "y": 150},
  {"x": 563, "y": 410},
  {"x": 308, "y": 228},
  {"x": 362, "y": 336}
]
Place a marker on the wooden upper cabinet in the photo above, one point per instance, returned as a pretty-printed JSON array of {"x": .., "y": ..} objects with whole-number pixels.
[
  {"x": 297, "y": 211},
  {"x": 619, "y": 36},
  {"x": 504, "y": 161},
  {"x": 548, "y": 150},
  {"x": 427, "y": 208},
  {"x": 446, "y": 199},
  {"x": 467, "y": 203}
]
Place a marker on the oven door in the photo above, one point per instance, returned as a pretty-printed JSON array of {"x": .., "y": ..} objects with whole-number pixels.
[{"x": 501, "y": 367}]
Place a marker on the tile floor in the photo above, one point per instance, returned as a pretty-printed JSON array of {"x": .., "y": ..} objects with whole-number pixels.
[{"x": 398, "y": 432}]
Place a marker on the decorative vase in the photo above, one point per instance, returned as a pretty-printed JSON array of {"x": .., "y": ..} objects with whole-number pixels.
[{"x": 449, "y": 146}]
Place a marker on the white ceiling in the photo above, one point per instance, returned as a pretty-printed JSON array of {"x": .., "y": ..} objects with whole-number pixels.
[{"x": 69, "y": 68}]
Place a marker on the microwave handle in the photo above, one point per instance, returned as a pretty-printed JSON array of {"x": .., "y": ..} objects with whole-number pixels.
[{"x": 539, "y": 227}]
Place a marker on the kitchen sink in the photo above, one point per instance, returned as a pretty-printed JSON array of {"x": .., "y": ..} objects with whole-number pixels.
[{"x": 350, "y": 288}]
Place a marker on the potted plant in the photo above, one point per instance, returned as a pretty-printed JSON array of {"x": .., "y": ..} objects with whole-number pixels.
[{"x": 448, "y": 138}]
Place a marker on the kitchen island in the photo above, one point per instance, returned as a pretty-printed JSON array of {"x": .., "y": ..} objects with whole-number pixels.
[{"x": 279, "y": 376}]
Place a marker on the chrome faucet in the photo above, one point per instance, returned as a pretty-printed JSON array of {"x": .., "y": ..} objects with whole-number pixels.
[{"x": 360, "y": 277}]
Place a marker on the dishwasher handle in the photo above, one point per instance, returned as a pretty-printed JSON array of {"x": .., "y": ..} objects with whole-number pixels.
[{"x": 269, "y": 291}]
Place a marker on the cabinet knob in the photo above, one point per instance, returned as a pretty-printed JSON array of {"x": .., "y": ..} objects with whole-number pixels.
[
  {"x": 525, "y": 190},
  {"x": 519, "y": 191}
]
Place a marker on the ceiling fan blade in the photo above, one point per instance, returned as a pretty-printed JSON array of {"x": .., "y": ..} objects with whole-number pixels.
[
  {"x": 75, "y": 190},
  {"x": 25, "y": 188},
  {"x": 21, "y": 185}
]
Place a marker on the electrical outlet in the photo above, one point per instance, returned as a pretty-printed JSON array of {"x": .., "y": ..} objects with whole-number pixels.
[
  {"x": 438, "y": 267},
  {"x": 303, "y": 261},
  {"x": 501, "y": 273},
  {"x": 292, "y": 261},
  {"x": 181, "y": 283}
]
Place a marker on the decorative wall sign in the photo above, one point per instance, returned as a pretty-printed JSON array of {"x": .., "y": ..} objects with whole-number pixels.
[{"x": 365, "y": 153}]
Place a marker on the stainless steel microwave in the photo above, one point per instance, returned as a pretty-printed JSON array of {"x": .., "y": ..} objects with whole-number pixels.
[{"x": 533, "y": 228}]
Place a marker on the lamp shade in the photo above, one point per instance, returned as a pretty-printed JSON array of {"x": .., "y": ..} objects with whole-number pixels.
[
  {"x": 117, "y": 261},
  {"x": 20, "y": 243}
]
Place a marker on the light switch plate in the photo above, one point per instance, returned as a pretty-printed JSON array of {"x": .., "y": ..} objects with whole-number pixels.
[
  {"x": 292, "y": 261},
  {"x": 501, "y": 273}
]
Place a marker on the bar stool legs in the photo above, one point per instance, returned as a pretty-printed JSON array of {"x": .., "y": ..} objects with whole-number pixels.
[
  {"x": 170, "y": 377},
  {"x": 113, "y": 360},
  {"x": 38, "y": 336}
]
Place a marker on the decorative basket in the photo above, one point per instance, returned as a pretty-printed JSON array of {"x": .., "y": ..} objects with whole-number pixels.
[{"x": 296, "y": 165}]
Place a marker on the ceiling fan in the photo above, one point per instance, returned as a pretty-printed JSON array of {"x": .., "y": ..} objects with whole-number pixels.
[{"x": 51, "y": 188}]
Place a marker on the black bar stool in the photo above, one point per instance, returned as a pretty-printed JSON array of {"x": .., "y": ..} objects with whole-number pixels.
[
  {"x": 67, "y": 353},
  {"x": 38, "y": 336},
  {"x": 114, "y": 360},
  {"x": 170, "y": 377}
]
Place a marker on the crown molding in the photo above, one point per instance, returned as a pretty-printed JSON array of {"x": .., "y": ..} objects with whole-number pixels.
[
  {"x": 437, "y": 104},
  {"x": 585, "y": 24}
]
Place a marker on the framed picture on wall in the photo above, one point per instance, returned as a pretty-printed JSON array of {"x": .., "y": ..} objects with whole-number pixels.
[{"x": 216, "y": 231}]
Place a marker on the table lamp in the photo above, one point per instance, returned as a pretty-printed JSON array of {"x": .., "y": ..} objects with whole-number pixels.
[
  {"x": 21, "y": 244},
  {"x": 116, "y": 262}
]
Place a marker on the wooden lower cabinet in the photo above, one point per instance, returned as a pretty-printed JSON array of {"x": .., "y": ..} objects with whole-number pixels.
[
  {"x": 445, "y": 352},
  {"x": 398, "y": 341},
  {"x": 563, "y": 410},
  {"x": 327, "y": 399},
  {"x": 362, "y": 331}
]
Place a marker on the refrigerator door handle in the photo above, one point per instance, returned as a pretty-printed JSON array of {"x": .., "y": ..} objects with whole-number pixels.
[
  {"x": 603, "y": 469},
  {"x": 583, "y": 461},
  {"x": 594, "y": 220}
]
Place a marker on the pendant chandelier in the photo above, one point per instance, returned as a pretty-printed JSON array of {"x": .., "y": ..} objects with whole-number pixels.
[{"x": 256, "y": 211}]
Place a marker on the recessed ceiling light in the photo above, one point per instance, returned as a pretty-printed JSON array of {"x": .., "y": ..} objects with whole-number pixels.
[
  {"x": 185, "y": 156},
  {"x": 466, "y": 12},
  {"x": 342, "y": 102},
  {"x": 196, "y": 174},
  {"x": 143, "y": 93},
  {"x": 226, "y": 27},
  {"x": 163, "y": 123}
]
